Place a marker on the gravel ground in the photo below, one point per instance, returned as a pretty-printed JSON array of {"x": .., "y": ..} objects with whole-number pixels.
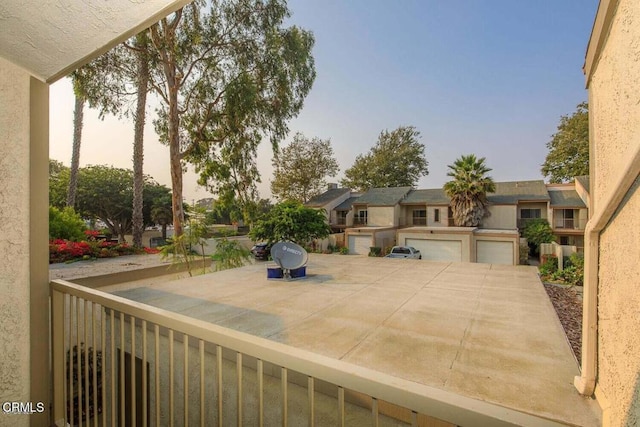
[{"x": 568, "y": 304}]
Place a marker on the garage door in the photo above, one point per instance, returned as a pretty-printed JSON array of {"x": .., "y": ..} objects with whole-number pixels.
[
  {"x": 494, "y": 252},
  {"x": 359, "y": 244},
  {"x": 437, "y": 250}
]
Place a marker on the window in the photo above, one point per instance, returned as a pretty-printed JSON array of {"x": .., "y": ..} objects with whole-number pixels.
[
  {"x": 361, "y": 217},
  {"x": 530, "y": 213},
  {"x": 436, "y": 215},
  {"x": 419, "y": 217},
  {"x": 342, "y": 217}
]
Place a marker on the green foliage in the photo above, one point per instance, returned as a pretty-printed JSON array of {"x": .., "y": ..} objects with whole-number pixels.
[
  {"x": 568, "y": 155},
  {"x": 538, "y": 231},
  {"x": 65, "y": 224},
  {"x": 179, "y": 248},
  {"x": 344, "y": 250},
  {"x": 468, "y": 190},
  {"x": 230, "y": 254},
  {"x": 58, "y": 183},
  {"x": 375, "y": 251},
  {"x": 397, "y": 160},
  {"x": 299, "y": 169},
  {"x": 549, "y": 265},
  {"x": 242, "y": 74},
  {"x": 569, "y": 275},
  {"x": 524, "y": 254},
  {"x": 291, "y": 221},
  {"x": 106, "y": 193}
]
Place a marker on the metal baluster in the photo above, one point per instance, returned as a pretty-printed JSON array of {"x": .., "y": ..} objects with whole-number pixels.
[
  {"x": 122, "y": 402},
  {"x": 219, "y": 372},
  {"x": 103, "y": 339},
  {"x": 113, "y": 368},
  {"x": 156, "y": 330},
  {"x": 79, "y": 365},
  {"x": 186, "y": 379},
  {"x": 260, "y": 369},
  {"x": 70, "y": 363},
  {"x": 374, "y": 411},
  {"x": 311, "y": 390},
  {"x": 239, "y": 397},
  {"x": 86, "y": 361},
  {"x": 202, "y": 383},
  {"x": 133, "y": 370},
  {"x": 341, "y": 405},
  {"x": 94, "y": 366},
  {"x": 171, "y": 403},
  {"x": 285, "y": 407},
  {"x": 145, "y": 421}
]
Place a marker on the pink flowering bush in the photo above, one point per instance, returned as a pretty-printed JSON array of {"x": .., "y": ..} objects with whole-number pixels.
[{"x": 61, "y": 250}]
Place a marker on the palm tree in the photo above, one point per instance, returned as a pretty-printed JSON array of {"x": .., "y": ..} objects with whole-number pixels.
[
  {"x": 161, "y": 214},
  {"x": 468, "y": 190},
  {"x": 138, "y": 139},
  {"x": 78, "y": 116}
]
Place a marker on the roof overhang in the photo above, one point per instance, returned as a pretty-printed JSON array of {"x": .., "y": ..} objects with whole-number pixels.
[{"x": 52, "y": 38}]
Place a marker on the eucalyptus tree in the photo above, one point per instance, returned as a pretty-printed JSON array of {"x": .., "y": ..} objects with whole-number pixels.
[
  {"x": 396, "y": 160},
  {"x": 229, "y": 74},
  {"x": 300, "y": 168},
  {"x": 468, "y": 190}
]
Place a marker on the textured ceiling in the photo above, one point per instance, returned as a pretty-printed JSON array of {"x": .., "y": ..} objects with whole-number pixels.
[{"x": 50, "y": 38}]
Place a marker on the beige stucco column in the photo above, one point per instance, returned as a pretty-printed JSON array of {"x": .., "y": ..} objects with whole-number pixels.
[{"x": 24, "y": 273}]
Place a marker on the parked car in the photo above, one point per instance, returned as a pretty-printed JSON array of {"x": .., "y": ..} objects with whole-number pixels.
[
  {"x": 261, "y": 251},
  {"x": 404, "y": 252}
]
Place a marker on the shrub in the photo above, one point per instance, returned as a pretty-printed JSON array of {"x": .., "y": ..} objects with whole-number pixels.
[
  {"x": 571, "y": 276},
  {"x": 538, "y": 231},
  {"x": 344, "y": 251},
  {"x": 230, "y": 254},
  {"x": 549, "y": 265},
  {"x": 524, "y": 254},
  {"x": 375, "y": 251},
  {"x": 65, "y": 224}
]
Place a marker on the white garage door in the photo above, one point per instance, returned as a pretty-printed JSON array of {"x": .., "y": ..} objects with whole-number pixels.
[
  {"x": 359, "y": 244},
  {"x": 437, "y": 250},
  {"x": 494, "y": 252}
]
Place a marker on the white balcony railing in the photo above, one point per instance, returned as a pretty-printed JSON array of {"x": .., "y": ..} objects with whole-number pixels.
[{"x": 136, "y": 364}]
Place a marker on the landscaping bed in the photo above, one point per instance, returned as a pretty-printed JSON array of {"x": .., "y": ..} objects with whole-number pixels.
[{"x": 567, "y": 302}]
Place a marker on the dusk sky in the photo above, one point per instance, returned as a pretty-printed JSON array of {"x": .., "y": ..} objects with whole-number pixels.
[{"x": 490, "y": 78}]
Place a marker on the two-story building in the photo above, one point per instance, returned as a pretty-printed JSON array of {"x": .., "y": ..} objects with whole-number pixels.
[{"x": 422, "y": 218}]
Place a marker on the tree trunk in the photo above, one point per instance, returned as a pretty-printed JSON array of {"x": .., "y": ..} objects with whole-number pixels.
[
  {"x": 163, "y": 35},
  {"x": 138, "y": 147},
  {"x": 78, "y": 116},
  {"x": 164, "y": 232}
]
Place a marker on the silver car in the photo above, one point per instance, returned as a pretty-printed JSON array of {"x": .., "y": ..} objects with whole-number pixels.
[{"x": 404, "y": 252}]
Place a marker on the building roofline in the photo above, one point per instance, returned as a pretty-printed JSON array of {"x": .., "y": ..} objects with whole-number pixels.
[{"x": 599, "y": 34}]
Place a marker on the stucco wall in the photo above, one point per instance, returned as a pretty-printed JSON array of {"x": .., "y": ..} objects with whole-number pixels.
[
  {"x": 541, "y": 206},
  {"x": 615, "y": 138},
  {"x": 14, "y": 244},
  {"x": 502, "y": 217},
  {"x": 444, "y": 222},
  {"x": 381, "y": 216}
]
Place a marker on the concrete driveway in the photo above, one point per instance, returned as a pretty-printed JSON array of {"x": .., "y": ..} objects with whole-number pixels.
[{"x": 484, "y": 331}]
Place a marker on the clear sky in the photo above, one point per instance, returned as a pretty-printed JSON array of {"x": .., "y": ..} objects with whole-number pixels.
[{"x": 485, "y": 77}]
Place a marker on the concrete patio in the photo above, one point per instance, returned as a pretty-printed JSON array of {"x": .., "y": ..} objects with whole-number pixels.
[{"x": 483, "y": 331}]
